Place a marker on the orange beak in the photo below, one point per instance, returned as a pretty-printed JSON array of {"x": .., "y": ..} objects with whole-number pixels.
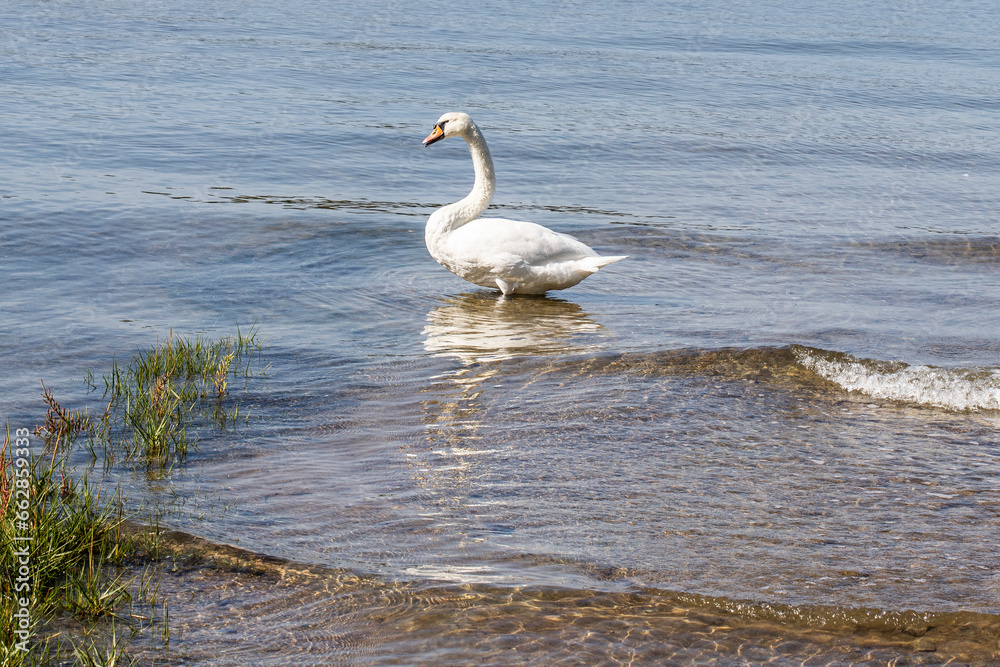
[{"x": 436, "y": 135}]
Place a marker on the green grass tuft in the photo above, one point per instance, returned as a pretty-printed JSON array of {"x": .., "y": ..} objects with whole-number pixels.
[
  {"x": 168, "y": 387},
  {"x": 76, "y": 543},
  {"x": 81, "y": 549}
]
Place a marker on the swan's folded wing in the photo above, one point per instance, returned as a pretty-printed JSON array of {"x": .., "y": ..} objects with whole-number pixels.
[{"x": 531, "y": 242}]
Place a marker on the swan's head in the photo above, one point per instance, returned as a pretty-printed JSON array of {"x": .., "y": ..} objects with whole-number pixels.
[{"x": 452, "y": 124}]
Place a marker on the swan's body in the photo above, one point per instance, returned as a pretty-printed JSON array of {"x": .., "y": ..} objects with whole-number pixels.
[{"x": 516, "y": 257}]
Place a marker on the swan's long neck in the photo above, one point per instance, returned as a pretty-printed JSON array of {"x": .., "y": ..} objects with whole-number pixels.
[{"x": 449, "y": 218}]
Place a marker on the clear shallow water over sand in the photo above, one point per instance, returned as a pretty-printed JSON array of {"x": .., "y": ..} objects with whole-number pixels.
[{"x": 788, "y": 394}]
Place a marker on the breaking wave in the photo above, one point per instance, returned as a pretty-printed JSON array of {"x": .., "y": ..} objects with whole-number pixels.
[{"x": 952, "y": 389}]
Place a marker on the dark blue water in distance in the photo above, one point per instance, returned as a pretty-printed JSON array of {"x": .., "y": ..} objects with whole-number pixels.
[{"x": 788, "y": 394}]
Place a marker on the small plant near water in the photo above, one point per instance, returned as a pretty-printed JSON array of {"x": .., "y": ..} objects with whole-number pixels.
[
  {"x": 164, "y": 389},
  {"x": 62, "y": 425},
  {"x": 79, "y": 582},
  {"x": 63, "y": 550}
]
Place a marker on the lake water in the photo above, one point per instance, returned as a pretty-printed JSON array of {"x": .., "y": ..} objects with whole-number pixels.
[{"x": 783, "y": 404}]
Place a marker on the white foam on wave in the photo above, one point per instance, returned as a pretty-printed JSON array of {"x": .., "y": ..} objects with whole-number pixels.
[{"x": 952, "y": 389}]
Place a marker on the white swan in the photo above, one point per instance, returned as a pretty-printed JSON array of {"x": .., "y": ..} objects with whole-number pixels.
[{"x": 518, "y": 257}]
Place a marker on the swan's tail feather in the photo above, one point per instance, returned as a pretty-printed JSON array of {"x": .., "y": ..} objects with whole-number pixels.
[{"x": 592, "y": 264}]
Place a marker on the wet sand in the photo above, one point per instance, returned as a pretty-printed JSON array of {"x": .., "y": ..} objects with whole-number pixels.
[{"x": 229, "y": 606}]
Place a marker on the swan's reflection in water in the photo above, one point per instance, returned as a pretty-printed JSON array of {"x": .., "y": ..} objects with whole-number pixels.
[
  {"x": 481, "y": 331},
  {"x": 464, "y": 434},
  {"x": 480, "y": 327}
]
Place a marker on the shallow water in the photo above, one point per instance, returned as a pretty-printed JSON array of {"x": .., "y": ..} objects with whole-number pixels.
[
  {"x": 235, "y": 608},
  {"x": 788, "y": 394}
]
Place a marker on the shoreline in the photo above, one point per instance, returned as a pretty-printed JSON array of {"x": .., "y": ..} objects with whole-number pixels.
[{"x": 222, "y": 597}]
